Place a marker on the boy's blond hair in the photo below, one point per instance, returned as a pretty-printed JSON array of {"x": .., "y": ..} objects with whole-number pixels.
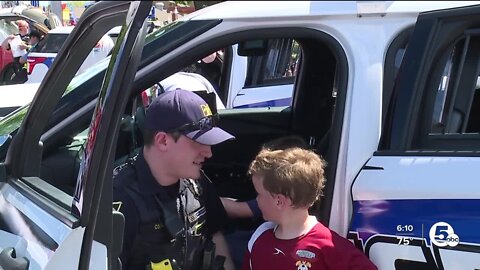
[{"x": 295, "y": 173}]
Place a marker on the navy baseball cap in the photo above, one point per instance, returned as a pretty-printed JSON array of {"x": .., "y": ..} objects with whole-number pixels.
[{"x": 185, "y": 112}]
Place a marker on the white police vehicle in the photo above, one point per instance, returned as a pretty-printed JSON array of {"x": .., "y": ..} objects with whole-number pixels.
[
  {"x": 14, "y": 96},
  {"x": 402, "y": 141},
  {"x": 42, "y": 55}
]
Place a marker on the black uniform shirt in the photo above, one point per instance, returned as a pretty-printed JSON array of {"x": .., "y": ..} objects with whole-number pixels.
[{"x": 215, "y": 213}]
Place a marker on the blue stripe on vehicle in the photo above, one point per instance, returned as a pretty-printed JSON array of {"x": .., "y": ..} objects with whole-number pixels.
[
  {"x": 48, "y": 62},
  {"x": 383, "y": 217},
  {"x": 268, "y": 103}
]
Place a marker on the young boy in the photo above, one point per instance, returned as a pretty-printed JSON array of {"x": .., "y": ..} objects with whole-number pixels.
[{"x": 288, "y": 182}]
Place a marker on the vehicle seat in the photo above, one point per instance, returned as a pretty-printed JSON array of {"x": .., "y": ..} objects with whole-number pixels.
[
  {"x": 139, "y": 124},
  {"x": 456, "y": 122}
]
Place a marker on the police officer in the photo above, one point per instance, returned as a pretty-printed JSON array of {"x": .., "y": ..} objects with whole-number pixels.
[
  {"x": 19, "y": 74},
  {"x": 171, "y": 208}
]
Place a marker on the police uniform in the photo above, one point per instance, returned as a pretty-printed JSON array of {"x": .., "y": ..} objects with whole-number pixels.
[{"x": 143, "y": 202}]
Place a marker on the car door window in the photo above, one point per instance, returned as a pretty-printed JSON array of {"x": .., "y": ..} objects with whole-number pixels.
[
  {"x": 37, "y": 220},
  {"x": 269, "y": 75},
  {"x": 457, "y": 102},
  {"x": 450, "y": 119},
  {"x": 277, "y": 66}
]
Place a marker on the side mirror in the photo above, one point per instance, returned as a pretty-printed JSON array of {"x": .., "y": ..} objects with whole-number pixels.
[{"x": 253, "y": 48}]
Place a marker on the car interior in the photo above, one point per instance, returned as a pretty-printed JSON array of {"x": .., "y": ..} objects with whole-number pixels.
[{"x": 310, "y": 116}]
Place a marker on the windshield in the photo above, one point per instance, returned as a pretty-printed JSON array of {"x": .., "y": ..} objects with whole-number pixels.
[
  {"x": 11, "y": 122},
  {"x": 7, "y": 28}
]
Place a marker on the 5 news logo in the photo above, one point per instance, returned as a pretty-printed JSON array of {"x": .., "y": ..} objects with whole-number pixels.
[
  {"x": 442, "y": 234},
  {"x": 409, "y": 248}
]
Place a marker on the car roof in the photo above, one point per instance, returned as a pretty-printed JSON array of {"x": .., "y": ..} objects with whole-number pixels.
[
  {"x": 8, "y": 14},
  {"x": 264, "y": 9},
  {"x": 61, "y": 30}
]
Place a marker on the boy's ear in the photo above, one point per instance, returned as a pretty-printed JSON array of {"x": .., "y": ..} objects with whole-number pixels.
[{"x": 282, "y": 201}]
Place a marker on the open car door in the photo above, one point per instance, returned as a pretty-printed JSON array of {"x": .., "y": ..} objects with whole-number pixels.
[
  {"x": 42, "y": 227},
  {"x": 416, "y": 200}
]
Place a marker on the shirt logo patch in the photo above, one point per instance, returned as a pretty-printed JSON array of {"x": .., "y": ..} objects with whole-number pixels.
[
  {"x": 305, "y": 254},
  {"x": 303, "y": 265},
  {"x": 278, "y": 251},
  {"x": 206, "y": 110}
]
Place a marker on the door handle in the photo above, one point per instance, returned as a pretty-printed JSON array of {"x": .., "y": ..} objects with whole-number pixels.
[{"x": 9, "y": 260}]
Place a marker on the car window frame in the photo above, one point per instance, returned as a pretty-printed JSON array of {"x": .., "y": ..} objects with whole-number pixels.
[{"x": 409, "y": 120}]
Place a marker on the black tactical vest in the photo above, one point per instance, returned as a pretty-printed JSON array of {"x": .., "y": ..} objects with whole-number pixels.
[{"x": 173, "y": 230}]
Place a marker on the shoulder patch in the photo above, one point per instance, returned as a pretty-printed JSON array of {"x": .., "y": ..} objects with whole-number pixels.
[
  {"x": 129, "y": 162},
  {"x": 117, "y": 206},
  {"x": 118, "y": 169}
]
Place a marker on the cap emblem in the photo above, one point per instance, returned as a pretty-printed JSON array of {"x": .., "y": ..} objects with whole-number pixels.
[{"x": 206, "y": 110}]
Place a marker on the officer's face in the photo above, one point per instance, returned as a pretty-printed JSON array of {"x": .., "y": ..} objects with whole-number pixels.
[{"x": 187, "y": 157}]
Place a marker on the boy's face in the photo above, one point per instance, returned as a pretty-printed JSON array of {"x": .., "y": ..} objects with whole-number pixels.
[{"x": 267, "y": 202}]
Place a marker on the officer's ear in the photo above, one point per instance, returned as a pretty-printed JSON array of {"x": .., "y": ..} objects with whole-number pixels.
[{"x": 160, "y": 140}]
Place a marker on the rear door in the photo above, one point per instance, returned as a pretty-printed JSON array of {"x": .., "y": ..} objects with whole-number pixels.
[
  {"x": 416, "y": 201},
  {"x": 41, "y": 227}
]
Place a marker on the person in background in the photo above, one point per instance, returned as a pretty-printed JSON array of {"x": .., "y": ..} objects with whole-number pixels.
[
  {"x": 193, "y": 81},
  {"x": 288, "y": 182},
  {"x": 34, "y": 38},
  {"x": 19, "y": 74},
  {"x": 23, "y": 31},
  {"x": 72, "y": 19},
  {"x": 210, "y": 67}
]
